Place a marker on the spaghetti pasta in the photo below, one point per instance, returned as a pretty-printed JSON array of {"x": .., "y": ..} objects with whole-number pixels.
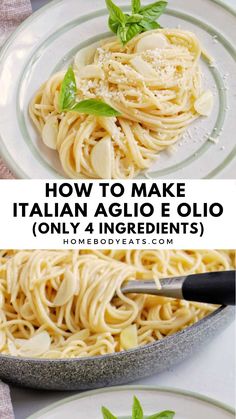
[
  {"x": 154, "y": 82},
  {"x": 65, "y": 304}
]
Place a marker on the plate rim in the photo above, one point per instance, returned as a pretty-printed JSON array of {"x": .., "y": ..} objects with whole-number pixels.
[
  {"x": 13, "y": 166},
  {"x": 172, "y": 390}
]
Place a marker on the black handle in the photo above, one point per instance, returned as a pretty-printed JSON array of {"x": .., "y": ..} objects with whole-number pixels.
[{"x": 211, "y": 287}]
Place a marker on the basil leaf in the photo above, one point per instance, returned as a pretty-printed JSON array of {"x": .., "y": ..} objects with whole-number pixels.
[
  {"x": 94, "y": 107},
  {"x": 121, "y": 33},
  {"x": 107, "y": 414},
  {"x": 67, "y": 99},
  {"x": 115, "y": 12},
  {"x": 68, "y": 90},
  {"x": 113, "y": 25},
  {"x": 137, "y": 411},
  {"x": 149, "y": 26},
  {"x": 132, "y": 31},
  {"x": 136, "y": 6},
  {"x": 136, "y": 18},
  {"x": 154, "y": 10},
  {"x": 167, "y": 414},
  {"x": 142, "y": 19}
]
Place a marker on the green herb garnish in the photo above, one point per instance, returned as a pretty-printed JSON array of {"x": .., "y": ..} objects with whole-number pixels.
[
  {"x": 166, "y": 414},
  {"x": 67, "y": 100},
  {"x": 141, "y": 20},
  {"x": 107, "y": 414},
  {"x": 68, "y": 91},
  {"x": 94, "y": 107},
  {"x": 137, "y": 412}
]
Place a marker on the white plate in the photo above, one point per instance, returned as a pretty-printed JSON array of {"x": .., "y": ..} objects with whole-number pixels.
[
  {"x": 47, "y": 41},
  {"x": 119, "y": 401}
]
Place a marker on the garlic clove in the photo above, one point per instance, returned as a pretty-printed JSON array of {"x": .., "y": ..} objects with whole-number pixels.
[
  {"x": 50, "y": 132},
  {"x": 143, "y": 68},
  {"x": 204, "y": 104},
  {"x": 91, "y": 71},
  {"x": 85, "y": 55},
  {"x": 66, "y": 290},
  {"x": 129, "y": 337},
  {"x": 35, "y": 346},
  {"x": 101, "y": 158},
  {"x": 152, "y": 42}
]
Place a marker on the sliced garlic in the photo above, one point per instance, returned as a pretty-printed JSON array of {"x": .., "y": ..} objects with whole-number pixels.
[
  {"x": 86, "y": 55},
  {"x": 204, "y": 104},
  {"x": 129, "y": 337},
  {"x": 50, "y": 132},
  {"x": 91, "y": 71},
  {"x": 152, "y": 42},
  {"x": 67, "y": 289},
  {"x": 35, "y": 346},
  {"x": 101, "y": 158},
  {"x": 142, "y": 67}
]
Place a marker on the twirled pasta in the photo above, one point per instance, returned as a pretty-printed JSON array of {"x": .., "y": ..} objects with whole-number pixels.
[
  {"x": 155, "y": 83},
  {"x": 60, "y": 304}
]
